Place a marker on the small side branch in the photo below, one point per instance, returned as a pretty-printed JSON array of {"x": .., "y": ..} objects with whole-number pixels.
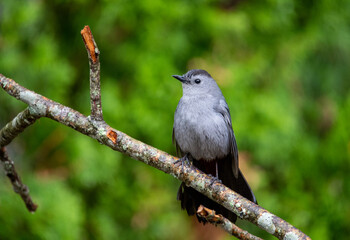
[
  {"x": 23, "y": 120},
  {"x": 16, "y": 182},
  {"x": 225, "y": 224},
  {"x": 94, "y": 61}
]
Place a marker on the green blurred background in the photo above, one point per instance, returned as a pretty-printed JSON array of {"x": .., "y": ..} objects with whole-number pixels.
[{"x": 284, "y": 67}]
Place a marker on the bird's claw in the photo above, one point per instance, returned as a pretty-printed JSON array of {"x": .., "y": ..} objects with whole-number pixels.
[
  {"x": 184, "y": 161},
  {"x": 214, "y": 179}
]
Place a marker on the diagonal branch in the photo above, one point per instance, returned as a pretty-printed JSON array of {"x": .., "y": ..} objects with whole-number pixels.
[
  {"x": 133, "y": 148},
  {"x": 16, "y": 182},
  {"x": 96, "y": 128}
]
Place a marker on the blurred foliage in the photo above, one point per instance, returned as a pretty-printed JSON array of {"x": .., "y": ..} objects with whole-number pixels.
[{"x": 282, "y": 65}]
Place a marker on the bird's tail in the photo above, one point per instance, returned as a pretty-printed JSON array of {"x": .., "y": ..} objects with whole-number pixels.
[{"x": 191, "y": 199}]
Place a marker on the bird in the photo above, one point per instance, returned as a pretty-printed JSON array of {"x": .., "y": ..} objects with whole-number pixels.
[{"x": 203, "y": 135}]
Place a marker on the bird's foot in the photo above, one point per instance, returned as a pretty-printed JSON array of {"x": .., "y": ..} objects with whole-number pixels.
[
  {"x": 184, "y": 161},
  {"x": 214, "y": 180}
]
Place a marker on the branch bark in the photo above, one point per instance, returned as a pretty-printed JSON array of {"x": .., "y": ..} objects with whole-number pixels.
[
  {"x": 96, "y": 128},
  {"x": 16, "y": 181},
  {"x": 94, "y": 62},
  {"x": 23, "y": 120}
]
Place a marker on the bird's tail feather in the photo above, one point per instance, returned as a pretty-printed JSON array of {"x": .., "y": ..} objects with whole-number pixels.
[{"x": 191, "y": 199}]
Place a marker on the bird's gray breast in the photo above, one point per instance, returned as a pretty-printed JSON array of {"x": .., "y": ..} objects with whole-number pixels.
[{"x": 200, "y": 130}]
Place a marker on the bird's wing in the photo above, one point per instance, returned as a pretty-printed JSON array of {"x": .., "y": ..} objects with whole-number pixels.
[
  {"x": 179, "y": 153},
  {"x": 223, "y": 109}
]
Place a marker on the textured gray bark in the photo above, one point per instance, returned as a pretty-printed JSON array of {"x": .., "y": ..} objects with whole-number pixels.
[
  {"x": 23, "y": 120},
  {"x": 16, "y": 181}
]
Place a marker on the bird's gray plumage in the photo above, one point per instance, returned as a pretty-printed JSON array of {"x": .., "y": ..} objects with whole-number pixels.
[{"x": 203, "y": 129}]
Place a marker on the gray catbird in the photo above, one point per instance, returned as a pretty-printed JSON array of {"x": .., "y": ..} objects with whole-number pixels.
[{"x": 203, "y": 133}]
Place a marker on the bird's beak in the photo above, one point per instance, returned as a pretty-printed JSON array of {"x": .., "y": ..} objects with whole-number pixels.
[{"x": 180, "y": 78}]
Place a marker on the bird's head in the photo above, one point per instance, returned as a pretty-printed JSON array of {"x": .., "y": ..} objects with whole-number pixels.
[{"x": 197, "y": 82}]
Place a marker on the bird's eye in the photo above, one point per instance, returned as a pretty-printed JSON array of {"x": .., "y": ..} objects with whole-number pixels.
[{"x": 198, "y": 81}]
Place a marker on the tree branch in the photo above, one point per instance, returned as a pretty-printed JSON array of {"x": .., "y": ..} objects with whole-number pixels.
[
  {"x": 133, "y": 148},
  {"x": 16, "y": 182},
  {"x": 11, "y": 130},
  {"x": 96, "y": 128}
]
